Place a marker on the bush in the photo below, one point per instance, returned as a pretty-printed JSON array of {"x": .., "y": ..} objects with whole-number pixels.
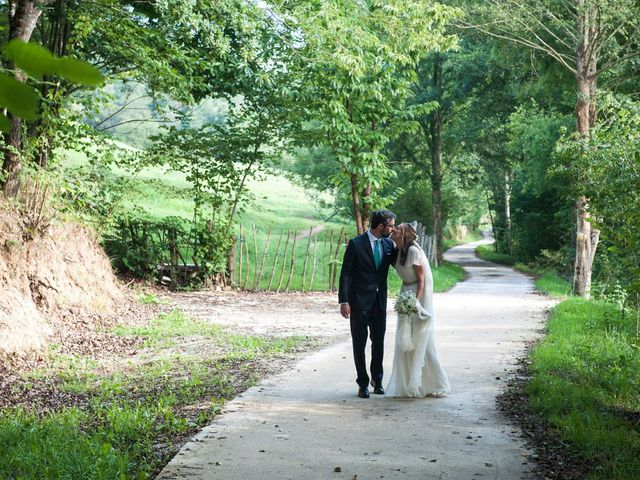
[{"x": 170, "y": 246}]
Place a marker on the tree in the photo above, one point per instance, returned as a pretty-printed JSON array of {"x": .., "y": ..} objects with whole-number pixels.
[
  {"x": 22, "y": 18},
  {"x": 183, "y": 50},
  {"x": 612, "y": 155},
  {"x": 356, "y": 64},
  {"x": 589, "y": 38}
]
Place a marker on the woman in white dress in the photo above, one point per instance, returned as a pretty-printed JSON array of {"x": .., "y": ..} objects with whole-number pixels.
[{"x": 417, "y": 372}]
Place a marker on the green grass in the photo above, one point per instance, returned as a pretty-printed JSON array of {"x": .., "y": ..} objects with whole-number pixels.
[
  {"x": 487, "y": 252},
  {"x": 127, "y": 420},
  {"x": 586, "y": 376},
  {"x": 444, "y": 277},
  {"x": 471, "y": 237}
]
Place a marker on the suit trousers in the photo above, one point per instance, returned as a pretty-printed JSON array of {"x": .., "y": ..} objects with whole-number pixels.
[{"x": 374, "y": 323}]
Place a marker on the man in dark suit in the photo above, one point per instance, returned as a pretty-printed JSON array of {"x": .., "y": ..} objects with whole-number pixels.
[{"x": 363, "y": 295}]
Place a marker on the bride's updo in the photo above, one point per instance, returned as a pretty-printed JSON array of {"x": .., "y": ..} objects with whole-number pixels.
[{"x": 408, "y": 234}]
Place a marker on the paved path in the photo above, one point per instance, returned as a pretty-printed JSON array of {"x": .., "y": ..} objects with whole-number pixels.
[{"x": 308, "y": 423}]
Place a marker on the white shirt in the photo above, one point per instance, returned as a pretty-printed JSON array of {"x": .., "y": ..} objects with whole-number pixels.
[{"x": 372, "y": 240}]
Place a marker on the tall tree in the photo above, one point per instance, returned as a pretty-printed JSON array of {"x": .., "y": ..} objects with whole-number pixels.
[
  {"x": 23, "y": 16},
  {"x": 590, "y": 39},
  {"x": 356, "y": 62}
]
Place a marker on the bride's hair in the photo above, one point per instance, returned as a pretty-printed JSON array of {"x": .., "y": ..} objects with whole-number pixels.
[{"x": 409, "y": 236}]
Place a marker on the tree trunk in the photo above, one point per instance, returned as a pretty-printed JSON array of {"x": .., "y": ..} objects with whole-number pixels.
[
  {"x": 436, "y": 159},
  {"x": 355, "y": 196},
  {"x": 55, "y": 38},
  {"x": 23, "y": 16},
  {"x": 507, "y": 213},
  {"x": 436, "y": 182},
  {"x": 366, "y": 208},
  {"x": 586, "y": 245},
  {"x": 586, "y": 63}
]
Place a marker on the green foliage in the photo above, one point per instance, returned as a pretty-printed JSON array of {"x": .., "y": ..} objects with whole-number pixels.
[
  {"x": 608, "y": 167},
  {"x": 310, "y": 168},
  {"x": 148, "y": 248},
  {"x": 38, "y": 62},
  {"x": 461, "y": 205},
  {"x": 357, "y": 63},
  {"x": 23, "y": 100},
  {"x": 488, "y": 252},
  {"x": 584, "y": 384},
  {"x": 60, "y": 439}
]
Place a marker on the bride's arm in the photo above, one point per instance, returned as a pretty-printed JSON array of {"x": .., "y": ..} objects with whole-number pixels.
[{"x": 419, "y": 269}]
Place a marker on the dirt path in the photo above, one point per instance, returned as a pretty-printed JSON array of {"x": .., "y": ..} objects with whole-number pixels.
[{"x": 308, "y": 423}]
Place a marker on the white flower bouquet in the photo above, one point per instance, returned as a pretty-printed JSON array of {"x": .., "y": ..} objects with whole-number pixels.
[
  {"x": 406, "y": 304},
  {"x": 405, "y": 308}
]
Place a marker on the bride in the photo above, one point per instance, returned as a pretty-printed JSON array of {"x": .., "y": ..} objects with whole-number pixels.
[{"x": 416, "y": 373}]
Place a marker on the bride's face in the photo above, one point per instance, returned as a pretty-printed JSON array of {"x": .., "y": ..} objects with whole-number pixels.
[{"x": 396, "y": 236}]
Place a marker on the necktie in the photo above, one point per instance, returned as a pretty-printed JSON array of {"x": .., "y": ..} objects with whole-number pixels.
[{"x": 377, "y": 257}]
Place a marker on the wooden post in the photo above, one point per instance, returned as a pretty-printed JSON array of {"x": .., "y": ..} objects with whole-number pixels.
[
  {"x": 231, "y": 260},
  {"x": 248, "y": 264},
  {"x": 315, "y": 260},
  {"x": 306, "y": 261},
  {"x": 173, "y": 258},
  {"x": 275, "y": 260},
  {"x": 325, "y": 267},
  {"x": 255, "y": 251},
  {"x": 329, "y": 285},
  {"x": 284, "y": 260},
  {"x": 256, "y": 283},
  {"x": 293, "y": 260},
  {"x": 239, "y": 279},
  {"x": 335, "y": 259}
]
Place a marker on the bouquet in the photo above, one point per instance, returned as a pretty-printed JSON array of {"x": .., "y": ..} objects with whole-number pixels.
[
  {"x": 406, "y": 308},
  {"x": 406, "y": 304}
]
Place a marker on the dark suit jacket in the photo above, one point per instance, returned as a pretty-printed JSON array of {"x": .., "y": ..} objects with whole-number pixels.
[{"x": 360, "y": 283}]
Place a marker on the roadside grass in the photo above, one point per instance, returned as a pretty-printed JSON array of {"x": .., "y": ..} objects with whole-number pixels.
[
  {"x": 104, "y": 422},
  {"x": 585, "y": 378},
  {"x": 585, "y": 375},
  {"x": 470, "y": 237},
  {"x": 487, "y": 252}
]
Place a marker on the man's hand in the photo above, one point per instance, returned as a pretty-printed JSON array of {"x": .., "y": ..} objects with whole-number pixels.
[{"x": 345, "y": 310}]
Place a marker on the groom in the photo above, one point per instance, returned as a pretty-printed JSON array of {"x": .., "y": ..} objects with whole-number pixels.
[{"x": 363, "y": 295}]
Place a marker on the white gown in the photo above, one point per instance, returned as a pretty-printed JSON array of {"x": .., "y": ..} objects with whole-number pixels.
[{"x": 417, "y": 373}]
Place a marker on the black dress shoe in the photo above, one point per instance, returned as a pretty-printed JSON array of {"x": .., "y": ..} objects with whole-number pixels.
[
  {"x": 377, "y": 389},
  {"x": 363, "y": 392}
]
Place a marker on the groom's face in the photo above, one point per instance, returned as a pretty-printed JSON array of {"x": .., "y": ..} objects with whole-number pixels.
[{"x": 388, "y": 228}]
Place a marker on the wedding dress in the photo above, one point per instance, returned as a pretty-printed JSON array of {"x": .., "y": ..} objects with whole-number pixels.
[{"x": 417, "y": 373}]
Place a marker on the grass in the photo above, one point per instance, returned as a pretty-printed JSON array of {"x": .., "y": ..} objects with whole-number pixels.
[
  {"x": 127, "y": 422},
  {"x": 585, "y": 376},
  {"x": 487, "y": 252},
  {"x": 586, "y": 373},
  {"x": 444, "y": 277}
]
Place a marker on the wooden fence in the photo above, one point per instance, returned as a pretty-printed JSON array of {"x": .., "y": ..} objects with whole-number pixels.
[
  {"x": 428, "y": 244},
  {"x": 291, "y": 260},
  {"x": 295, "y": 260}
]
